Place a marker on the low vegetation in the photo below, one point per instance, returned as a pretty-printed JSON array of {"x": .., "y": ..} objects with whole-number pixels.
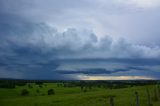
[
  {"x": 24, "y": 92},
  {"x": 79, "y": 93}
]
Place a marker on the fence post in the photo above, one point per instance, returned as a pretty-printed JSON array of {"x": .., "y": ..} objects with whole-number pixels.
[
  {"x": 104, "y": 103},
  {"x": 158, "y": 90},
  {"x": 111, "y": 101},
  {"x": 155, "y": 95},
  {"x": 149, "y": 98},
  {"x": 137, "y": 99}
]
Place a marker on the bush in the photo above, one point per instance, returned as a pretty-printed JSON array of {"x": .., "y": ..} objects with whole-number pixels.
[
  {"x": 39, "y": 83},
  {"x": 40, "y": 86},
  {"x": 24, "y": 92},
  {"x": 85, "y": 90},
  {"x": 51, "y": 92},
  {"x": 7, "y": 84},
  {"x": 30, "y": 86},
  {"x": 82, "y": 87},
  {"x": 42, "y": 94},
  {"x": 20, "y": 83},
  {"x": 38, "y": 91}
]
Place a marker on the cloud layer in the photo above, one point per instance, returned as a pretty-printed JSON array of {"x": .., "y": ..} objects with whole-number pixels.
[
  {"x": 24, "y": 38},
  {"x": 135, "y": 20},
  {"x": 32, "y": 51},
  {"x": 54, "y": 39},
  {"x": 141, "y": 3}
]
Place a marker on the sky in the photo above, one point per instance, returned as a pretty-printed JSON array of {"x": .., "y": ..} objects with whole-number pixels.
[{"x": 80, "y": 39}]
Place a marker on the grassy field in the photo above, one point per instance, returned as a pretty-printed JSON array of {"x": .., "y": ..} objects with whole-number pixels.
[{"x": 74, "y": 96}]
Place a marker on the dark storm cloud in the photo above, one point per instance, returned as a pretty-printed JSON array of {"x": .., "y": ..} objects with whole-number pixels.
[
  {"x": 33, "y": 50},
  {"x": 19, "y": 38},
  {"x": 130, "y": 61},
  {"x": 96, "y": 71}
]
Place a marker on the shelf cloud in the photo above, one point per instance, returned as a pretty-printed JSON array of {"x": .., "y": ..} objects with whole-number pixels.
[
  {"x": 55, "y": 38},
  {"x": 19, "y": 38}
]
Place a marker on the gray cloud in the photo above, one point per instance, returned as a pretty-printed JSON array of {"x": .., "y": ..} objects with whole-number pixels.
[
  {"x": 135, "y": 20},
  {"x": 35, "y": 36},
  {"x": 24, "y": 39},
  {"x": 41, "y": 50},
  {"x": 93, "y": 71}
]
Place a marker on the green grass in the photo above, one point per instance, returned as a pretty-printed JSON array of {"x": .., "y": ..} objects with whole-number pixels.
[{"x": 74, "y": 96}]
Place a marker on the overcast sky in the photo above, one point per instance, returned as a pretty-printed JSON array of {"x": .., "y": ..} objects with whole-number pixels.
[{"x": 39, "y": 38}]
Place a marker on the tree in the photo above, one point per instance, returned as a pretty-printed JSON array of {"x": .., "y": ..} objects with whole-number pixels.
[
  {"x": 40, "y": 86},
  {"x": 30, "y": 86},
  {"x": 37, "y": 90},
  {"x": 51, "y": 92},
  {"x": 85, "y": 90},
  {"x": 24, "y": 92}
]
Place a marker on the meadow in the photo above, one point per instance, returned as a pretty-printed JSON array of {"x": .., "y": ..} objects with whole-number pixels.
[{"x": 66, "y": 94}]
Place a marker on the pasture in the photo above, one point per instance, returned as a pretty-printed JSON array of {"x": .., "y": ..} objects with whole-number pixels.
[{"x": 78, "y": 95}]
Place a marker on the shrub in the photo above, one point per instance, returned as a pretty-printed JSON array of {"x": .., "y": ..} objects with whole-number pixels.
[
  {"x": 82, "y": 87},
  {"x": 37, "y": 91},
  {"x": 20, "y": 83},
  {"x": 90, "y": 87},
  {"x": 7, "y": 84},
  {"x": 42, "y": 94},
  {"x": 51, "y": 92},
  {"x": 24, "y": 92},
  {"x": 30, "y": 86},
  {"x": 85, "y": 90},
  {"x": 40, "y": 86},
  {"x": 39, "y": 83}
]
